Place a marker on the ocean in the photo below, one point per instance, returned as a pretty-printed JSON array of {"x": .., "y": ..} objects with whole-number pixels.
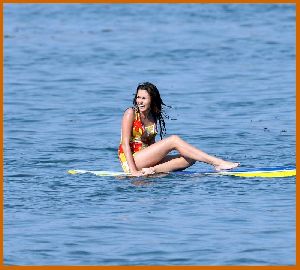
[{"x": 70, "y": 71}]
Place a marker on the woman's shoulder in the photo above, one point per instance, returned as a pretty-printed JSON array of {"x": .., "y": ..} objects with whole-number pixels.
[{"x": 130, "y": 112}]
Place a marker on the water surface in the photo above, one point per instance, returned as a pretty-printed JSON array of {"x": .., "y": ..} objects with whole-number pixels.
[{"x": 69, "y": 73}]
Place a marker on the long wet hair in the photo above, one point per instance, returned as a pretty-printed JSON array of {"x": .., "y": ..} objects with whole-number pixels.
[{"x": 156, "y": 106}]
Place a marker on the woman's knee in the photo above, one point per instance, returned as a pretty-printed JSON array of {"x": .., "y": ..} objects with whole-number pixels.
[{"x": 174, "y": 138}]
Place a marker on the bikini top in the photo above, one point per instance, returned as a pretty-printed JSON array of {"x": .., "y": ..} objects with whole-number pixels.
[{"x": 140, "y": 133}]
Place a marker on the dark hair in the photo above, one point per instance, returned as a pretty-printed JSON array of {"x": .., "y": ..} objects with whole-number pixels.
[{"x": 156, "y": 106}]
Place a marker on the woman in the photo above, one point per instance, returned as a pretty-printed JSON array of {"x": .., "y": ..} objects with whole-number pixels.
[{"x": 141, "y": 155}]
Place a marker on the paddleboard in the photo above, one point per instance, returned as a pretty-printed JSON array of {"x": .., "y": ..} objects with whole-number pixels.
[{"x": 284, "y": 171}]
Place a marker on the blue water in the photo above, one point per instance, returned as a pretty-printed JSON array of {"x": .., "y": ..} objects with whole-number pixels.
[{"x": 69, "y": 73}]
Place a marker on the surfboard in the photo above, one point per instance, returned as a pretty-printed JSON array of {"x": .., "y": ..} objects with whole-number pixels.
[{"x": 284, "y": 171}]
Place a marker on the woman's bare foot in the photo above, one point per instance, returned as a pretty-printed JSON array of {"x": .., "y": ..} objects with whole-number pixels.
[{"x": 226, "y": 165}]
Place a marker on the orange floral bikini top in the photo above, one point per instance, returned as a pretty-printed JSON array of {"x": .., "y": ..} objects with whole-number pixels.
[{"x": 141, "y": 136}]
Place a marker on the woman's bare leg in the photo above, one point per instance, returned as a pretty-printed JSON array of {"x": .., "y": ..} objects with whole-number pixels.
[
  {"x": 153, "y": 154},
  {"x": 173, "y": 163}
]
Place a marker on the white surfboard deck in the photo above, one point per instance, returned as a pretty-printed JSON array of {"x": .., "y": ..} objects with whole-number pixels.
[{"x": 284, "y": 171}]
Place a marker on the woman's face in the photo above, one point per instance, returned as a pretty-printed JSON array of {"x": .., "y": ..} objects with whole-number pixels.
[{"x": 143, "y": 100}]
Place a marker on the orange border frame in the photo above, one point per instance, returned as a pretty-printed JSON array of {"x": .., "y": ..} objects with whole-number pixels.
[{"x": 2, "y": 266}]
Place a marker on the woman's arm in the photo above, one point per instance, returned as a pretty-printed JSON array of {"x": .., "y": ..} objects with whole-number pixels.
[{"x": 127, "y": 123}]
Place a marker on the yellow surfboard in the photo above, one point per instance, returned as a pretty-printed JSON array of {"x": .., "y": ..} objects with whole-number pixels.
[{"x": 286, "y": 171}]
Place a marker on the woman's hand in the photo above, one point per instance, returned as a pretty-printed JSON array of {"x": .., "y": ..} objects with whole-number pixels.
[
  {"x": 143, "y": 172},
  {"x": 148, "y": 171},
  {"x": 137, "y": 173}
]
